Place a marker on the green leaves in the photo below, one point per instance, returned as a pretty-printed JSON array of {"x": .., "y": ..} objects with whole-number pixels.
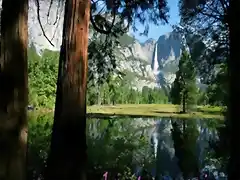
[
  {"x": 218, "y": 90},
  {"x": 42, "y": 77},
  {"x": 206, "y": 30},
  {"x": 130, "y": 11}
]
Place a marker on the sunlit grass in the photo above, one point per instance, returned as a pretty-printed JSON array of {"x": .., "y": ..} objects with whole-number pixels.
[
  {"x": 147, "y": 110},
  {"x": 155, "y": 110}
]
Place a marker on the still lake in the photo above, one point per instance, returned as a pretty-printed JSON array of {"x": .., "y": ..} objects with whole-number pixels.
[{"x": 133, "y": 147}]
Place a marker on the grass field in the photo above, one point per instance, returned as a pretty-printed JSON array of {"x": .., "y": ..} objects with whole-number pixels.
[{"x": 153, "y": 110}]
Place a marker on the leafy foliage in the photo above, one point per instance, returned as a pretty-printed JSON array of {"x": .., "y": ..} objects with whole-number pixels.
[
  {"x": 217, "y": 92},
  {"x": 102, "y": 57},
  {"x": 204, "y": 24},
  {"x": 42, "y": 77},
  {"x": 112, "y": 16}
]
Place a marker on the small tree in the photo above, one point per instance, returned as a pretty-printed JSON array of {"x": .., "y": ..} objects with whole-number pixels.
[{"x": 184, "y": 88}]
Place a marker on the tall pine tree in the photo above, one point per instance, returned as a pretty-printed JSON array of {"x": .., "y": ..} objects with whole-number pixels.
[{"x": 183, "y": 91}]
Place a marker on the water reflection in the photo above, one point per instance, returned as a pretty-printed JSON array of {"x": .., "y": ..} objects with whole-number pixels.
[
  {"x": 156, "y": 147},
  {"x": 133, "y": 147}
]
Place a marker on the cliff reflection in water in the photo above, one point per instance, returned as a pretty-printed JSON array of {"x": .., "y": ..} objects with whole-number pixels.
[{"x": 155, "y": 146}]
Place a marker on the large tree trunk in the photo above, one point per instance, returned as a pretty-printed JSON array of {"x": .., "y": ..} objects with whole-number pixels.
[
  {"x": 67, "y": 157},
  {"x": 13, "y": 89},
  {"x": 99, "y": 100},
  {"x": 184, "y": 102},
  {"x": 234, "y": 76}
]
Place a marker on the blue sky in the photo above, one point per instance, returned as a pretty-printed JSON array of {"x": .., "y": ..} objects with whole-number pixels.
[{"x": 156, "y": 31}]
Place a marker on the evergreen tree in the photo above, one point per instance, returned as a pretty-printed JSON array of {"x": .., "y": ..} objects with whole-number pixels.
[{"x": 184, "y": 88}]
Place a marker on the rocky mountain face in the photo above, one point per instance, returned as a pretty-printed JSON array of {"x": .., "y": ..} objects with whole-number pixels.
[{"x": 152, "y": 63}]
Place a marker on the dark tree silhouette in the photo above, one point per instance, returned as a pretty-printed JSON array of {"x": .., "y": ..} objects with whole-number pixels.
[
  {"x": 67, "y": 157},
  {"x": 222, "y": 15},
  {"x": 13, "y": 89},
  {"x": 233, "y": 12}
]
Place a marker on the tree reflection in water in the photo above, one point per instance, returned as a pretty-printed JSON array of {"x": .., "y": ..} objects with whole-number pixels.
[{"x": 129, "y": 148}]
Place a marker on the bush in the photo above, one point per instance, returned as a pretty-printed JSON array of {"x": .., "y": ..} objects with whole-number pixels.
[{"x": 39, "y": 135}]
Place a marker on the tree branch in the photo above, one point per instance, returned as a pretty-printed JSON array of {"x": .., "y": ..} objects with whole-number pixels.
[
  {"x": 40, "y": 23},
  {"x": 109, "y": 30},
  {"x": 49, "y": 9}
]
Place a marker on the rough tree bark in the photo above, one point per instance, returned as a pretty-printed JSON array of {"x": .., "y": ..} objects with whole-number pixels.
[
  {"x": 184, "y": 101},
  {"x": 13, "y": 89},
  {"x": 67, "y": 157}
]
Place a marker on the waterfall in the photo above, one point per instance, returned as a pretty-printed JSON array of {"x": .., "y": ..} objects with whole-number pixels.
[
  {"x": 155, "y": 143},
  {"x": 155, "y": 64}
]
